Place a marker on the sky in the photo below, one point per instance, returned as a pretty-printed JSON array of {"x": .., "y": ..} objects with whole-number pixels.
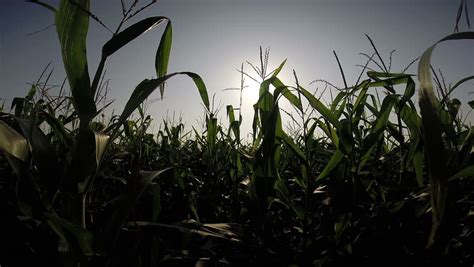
[{"x": 213, "y": 38}]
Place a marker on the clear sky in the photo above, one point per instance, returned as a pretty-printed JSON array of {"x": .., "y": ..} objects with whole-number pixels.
[{"x": 213, "y": 37}]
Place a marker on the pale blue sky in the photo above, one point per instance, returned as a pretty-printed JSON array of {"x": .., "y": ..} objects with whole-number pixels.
[{"x": 213, "y": 37}]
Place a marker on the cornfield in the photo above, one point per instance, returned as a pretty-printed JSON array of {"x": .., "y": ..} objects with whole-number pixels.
[{"x": 373, "y": 177}]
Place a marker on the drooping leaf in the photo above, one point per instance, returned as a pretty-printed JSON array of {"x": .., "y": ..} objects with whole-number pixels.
[
  {"x": 282, "y": 89},
  {"x": 390, "y": 82},
  {"x": 379, "y": 74},
  {"x": 146, "y": 87},
  {"x": 129, "y": 34},
  {"x": 200, "y": 86},
  {"x": 12, "y": 142},
  {"x": 123, "y": 38},
  {"x": 424, "y": 69},
  {"x": 434, "y": 146}
]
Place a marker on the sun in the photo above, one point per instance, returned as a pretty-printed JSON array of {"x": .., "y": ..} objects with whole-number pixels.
[{"x": 250, "y": 93}]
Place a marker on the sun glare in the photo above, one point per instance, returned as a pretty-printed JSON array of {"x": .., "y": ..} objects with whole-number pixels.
[{"x": 250, "y": 93}]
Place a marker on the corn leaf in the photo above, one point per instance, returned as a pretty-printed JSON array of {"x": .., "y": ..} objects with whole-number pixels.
[
  {"x": 200, "y": 86},
  {"x": 129, "y": 34},
  {"x": 12, "y": 142},
  {"x": 277, "y": 70},
  {"x": 434, "y": 146},
  {"x": 233, "y": 124},
  {"x": 331, "y": 165},
  {"x": 320, "y": 107},
  {"x": 146, "y": 87},
  {"x": 283, "y": 89},
  {"x": 337, "y": 99},
  {"x": 163, "y": 54},
  {"x": 72, "y": 23}
]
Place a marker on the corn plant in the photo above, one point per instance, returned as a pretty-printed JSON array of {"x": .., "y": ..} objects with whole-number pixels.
[
  {"x": 60, "y": 198},
  {"x": 363, "y": 179}
]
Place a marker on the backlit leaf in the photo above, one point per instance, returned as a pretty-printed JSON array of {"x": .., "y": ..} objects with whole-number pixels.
[
  {"x": 72, "y": 24},
  {"x": 12, "y": 142},
  {"x": 129, "y": 34},
  {"x": 163, "y": 54}
]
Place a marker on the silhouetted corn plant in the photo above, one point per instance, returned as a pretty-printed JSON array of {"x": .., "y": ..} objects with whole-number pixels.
[{"x": 59, "y": 197}]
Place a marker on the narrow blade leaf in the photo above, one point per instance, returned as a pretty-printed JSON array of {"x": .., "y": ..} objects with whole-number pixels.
[
  {"x": 163, "y": 54},
  {"x": 72, "y": 24},
  {"x": 126, "y": 36},
  {"x": 12, "y": 142}
]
